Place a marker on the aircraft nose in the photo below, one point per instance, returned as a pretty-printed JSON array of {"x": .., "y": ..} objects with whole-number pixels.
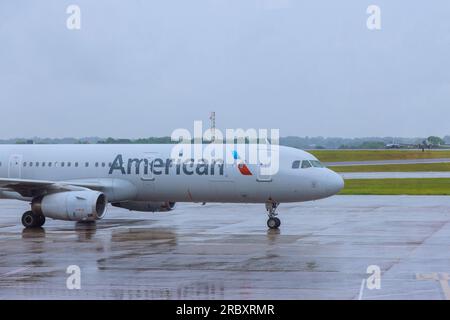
[{"x": 335, "y": 183}]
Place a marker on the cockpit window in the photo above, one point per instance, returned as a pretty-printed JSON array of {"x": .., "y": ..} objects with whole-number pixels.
[
  {"x": 317, "y": 164},
  {"x": 296, "y": 164},
  {"x": 306, "y": 164}
]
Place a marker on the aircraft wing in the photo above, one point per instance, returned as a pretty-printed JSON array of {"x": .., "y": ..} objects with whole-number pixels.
[{"x": 34, "y": 188}]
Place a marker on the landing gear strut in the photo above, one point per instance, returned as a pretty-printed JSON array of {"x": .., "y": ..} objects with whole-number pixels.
[
  {"x": 273, "y": 222},
  {"x": 32, "y": 220}
]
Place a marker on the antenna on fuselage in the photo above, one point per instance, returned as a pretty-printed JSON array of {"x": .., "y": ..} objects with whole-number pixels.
[{"x": 212, "y": 118}]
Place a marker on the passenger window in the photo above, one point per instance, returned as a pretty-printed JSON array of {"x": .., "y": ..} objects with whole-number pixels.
[
  {"x": 103, "y": 164},
  {"x": 96, "y": 164},
  {"x": 31, "y": 164},
  {"x": 69, "y": 164},
  {"x": 86, "y": 164},
  {"x": 49, "y": 164},
  {"x": 24, "y": 164},
  {"x": 296, "y": 164},
  {"x": 76, "y": 164},
  {"x": 62, "y": 164},
  {"x": 306, "y": 164},
  {"x": 43, "y": 164},
  {"x": 37, "y": 164}
]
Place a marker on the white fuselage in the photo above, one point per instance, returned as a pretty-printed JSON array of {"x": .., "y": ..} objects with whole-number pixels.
[{"x": 125, "y": 179}]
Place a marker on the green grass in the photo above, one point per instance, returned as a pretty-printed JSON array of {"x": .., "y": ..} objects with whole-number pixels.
[
  {"x": 425, "y": 167},
  {"x": 368, "y": 155},
  {"x": 425, "y": 186}
]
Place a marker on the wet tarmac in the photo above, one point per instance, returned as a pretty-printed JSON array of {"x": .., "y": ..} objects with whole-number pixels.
[{"x": 222, "y": 251}]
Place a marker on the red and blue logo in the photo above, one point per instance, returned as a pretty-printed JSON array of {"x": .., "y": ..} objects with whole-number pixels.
[{"x": 243, "y": 169}]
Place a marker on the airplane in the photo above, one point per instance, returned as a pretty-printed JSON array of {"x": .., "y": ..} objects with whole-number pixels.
[
  {"x": 77, "y": 182},
  {"x": 393, "y": 145},
  {"x": 396, "y": 145},
  {"x": 427, "y": 143}
]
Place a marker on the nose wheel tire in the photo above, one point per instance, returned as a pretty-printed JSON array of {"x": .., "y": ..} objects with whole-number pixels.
[
  {"x": 273, "y": 223},
  {"x": 32, "y": 220}
]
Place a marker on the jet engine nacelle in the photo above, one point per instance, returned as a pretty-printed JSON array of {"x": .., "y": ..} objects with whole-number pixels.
[
  {"x": 146, "y": 206},
  {"x": 71, "y": 205}
]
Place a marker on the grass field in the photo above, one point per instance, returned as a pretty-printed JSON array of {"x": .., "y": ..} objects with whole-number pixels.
[
  {"x": 367, "y": 155},
  {"x": 424, "y": 167},
  {"x": 426, "y": 186}
]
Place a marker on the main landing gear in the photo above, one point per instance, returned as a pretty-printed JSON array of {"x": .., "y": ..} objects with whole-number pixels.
[
  {"x": 273, "y": 222},
  {"x": 32, "y": 220}
]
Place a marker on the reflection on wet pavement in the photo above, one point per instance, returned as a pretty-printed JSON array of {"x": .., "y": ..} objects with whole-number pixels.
[{"x": 226, "y": 252}]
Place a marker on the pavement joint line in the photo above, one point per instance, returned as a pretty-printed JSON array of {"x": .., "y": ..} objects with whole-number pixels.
[{"x": 10, "y": 273}]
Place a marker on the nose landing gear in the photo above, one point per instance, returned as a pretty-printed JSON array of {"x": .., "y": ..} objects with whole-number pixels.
[{"x": 273, "y": 222}]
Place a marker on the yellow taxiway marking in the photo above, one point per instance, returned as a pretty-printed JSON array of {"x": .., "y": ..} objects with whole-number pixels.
[{"x": 442, "y": 278}]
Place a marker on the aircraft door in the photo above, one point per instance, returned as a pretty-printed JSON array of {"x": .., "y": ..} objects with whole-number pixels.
[
  {"x": 15, "y": 166},
  {"x": 268, "y": 164},
  {"x": 262, "y": 173}
]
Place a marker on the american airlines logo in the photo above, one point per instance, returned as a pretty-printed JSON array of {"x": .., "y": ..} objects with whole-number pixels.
[
  {"x": 243, "y": 169},
  {"x": 159, "y": 166}
]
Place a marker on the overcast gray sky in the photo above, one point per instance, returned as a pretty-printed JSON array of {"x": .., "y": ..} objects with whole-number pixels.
[{"x": 144, "y": 68}]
